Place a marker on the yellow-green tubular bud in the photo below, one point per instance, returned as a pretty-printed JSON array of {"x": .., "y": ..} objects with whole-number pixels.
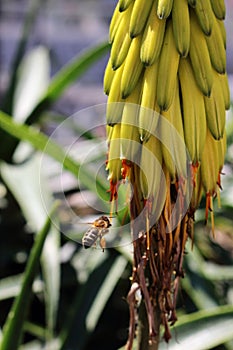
[
  {"x": 223, "y": 80},
  {"x": 150, "y": 166},
  {"x": 115, "y": 21},
  {"x": 219, "y": 8},
  {"x": 114, "y": 156},
  {"x": 205, "y": 15},
  {"x": 109, "y": 131},
  {"x": 140, "y": 13},
  {"x": 148, "y": 116},
  {"x": 199, "y": 55},
  {"x": 216, "y": 48},
  {"x": 167, "y": 70},
  {"x": 193, "y": 109},
  {"x": 108, "y": 77},
  {"x": 114, "y": 109},
  {"x": 164, "y": 8},
  {"x": 152, "y": 182},
  {"x": 124, "y": 4},
  {"x": 223, "y": 31},
  {"x": 192, "y": 2},
  {"x": 181, "y": 26},
  {"x": 172, "y": 139},
  {"x": 152, "y": 39},
  {"x": 132, "y": 68},
  {"x": 130, "y": 140},
  {"x": 222, "y": 146},
  {"x": 168, "y": 159},
  {"x": 215, "y": 109},
  {"x": 210, "y": 164},
  {"x": 122, "y": 40}
]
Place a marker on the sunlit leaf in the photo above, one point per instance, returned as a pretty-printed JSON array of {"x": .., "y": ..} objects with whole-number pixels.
[
  {"x": 11, "y": 286},
  {"x": 32, "y": 81},
  {"x": 37, "y": 345}
]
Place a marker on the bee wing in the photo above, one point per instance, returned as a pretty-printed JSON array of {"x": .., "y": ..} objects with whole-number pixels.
[{"x": 85, "y": 223}]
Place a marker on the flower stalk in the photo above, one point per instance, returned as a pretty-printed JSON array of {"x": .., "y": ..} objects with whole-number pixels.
[{"x": 167, "y": 94}]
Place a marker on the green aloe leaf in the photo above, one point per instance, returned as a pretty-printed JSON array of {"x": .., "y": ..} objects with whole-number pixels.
[
  {"x": 29, "y": 187},
  {"x": 41, "y": 142},
  {"x": 105, "y": 291},
  {"x": 13, "y": 328},
  {"x": 91, "y": 298},
  {"x": 33, "y": 8},
  {"x": 202, "y": 330},
  {"x": 33, "y": 78},
  {"x": 66, "y": 76},
  {"x": 10, "y": 286}
]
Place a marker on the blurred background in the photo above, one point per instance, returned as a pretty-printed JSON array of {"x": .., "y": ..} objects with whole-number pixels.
[
  {"x": 79, "y": 296},
  {"x": 66, "y": 28}
]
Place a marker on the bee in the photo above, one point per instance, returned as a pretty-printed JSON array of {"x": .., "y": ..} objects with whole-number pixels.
[{"x": 98, "y": 230}]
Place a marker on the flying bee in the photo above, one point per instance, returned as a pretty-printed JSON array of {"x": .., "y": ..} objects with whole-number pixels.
[{"x": 98, "y": 230}]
